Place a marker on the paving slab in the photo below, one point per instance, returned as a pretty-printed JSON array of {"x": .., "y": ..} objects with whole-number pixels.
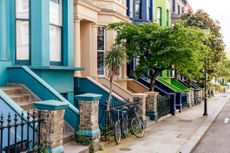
[{"x": 174, "y": 134}]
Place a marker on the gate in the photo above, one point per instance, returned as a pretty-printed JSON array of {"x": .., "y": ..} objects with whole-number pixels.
[
  {"x": 163, "y": 105},
  {"x": 21, "y": 133}
]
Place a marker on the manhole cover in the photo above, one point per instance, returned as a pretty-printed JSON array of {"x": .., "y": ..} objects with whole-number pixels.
[
  {"x": 125, "y": 149},
  {"x": 187, "y": 121}
]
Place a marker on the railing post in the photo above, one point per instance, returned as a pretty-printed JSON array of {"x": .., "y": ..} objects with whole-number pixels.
[
  {"x": 51, "y": 128},
  {"x": 1, "y": 130},
  {"x": 89, "y": 127},
  {"x": 141, "y": 98},
  {"x": 151, "y": 105}
]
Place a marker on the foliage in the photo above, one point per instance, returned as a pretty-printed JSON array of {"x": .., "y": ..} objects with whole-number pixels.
[
  {"x": 91, "y": 149},
  {"x": 216, "y": 54},
  {"x": 158, "y": 48},
  {"x": 224, "y": 68},
  {"x": 81, "y": 139},
  {"x": 114, "y": 59}
]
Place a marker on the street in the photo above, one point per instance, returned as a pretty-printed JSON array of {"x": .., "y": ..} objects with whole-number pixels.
[{"x": 217, "y": 138}]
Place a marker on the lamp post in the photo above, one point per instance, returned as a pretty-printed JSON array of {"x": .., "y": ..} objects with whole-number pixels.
[
  {"x": 205, "y": 89},
  {"x": 205, "y": 83}
]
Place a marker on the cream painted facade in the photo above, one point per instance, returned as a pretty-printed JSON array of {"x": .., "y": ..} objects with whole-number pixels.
[{"x": 88, "y": 16}]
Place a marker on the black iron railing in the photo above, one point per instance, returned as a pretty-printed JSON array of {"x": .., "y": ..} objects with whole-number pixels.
[
  {"x": 21, "y": 133},
  {"x": 163, "y": 105},
  {"x": 108, "y": 118}
]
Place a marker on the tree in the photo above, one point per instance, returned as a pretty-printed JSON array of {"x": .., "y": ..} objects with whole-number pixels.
[
  {"x": 158, "y": 48},
  {"x": 216, "y": 53},
  {"x": 114, "y": 59},
  {"x": 224, "y": 71}
]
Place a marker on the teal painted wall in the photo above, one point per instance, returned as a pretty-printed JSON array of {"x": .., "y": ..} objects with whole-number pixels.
[
  {"x": 40, "y": 33},
  {"x": 68, "y": 33},
  {"x": 3, "y": 72},
  {"x": 5, "y": 39},
  {"x": 3, "y": 50},
  {"x": 61, "y": 81}
]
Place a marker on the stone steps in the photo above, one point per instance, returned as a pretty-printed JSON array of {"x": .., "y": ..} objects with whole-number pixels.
[
  {"x": 21, "y": 95},
  {"x": 68, "y": 133},
  {"x": 25, "y": 99}
]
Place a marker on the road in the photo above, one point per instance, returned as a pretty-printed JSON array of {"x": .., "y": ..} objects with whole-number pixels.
[{"x": 217, "y": 138}]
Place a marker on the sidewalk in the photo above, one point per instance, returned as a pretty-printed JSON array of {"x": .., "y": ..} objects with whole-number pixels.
[{"x": 175, "y": 134}]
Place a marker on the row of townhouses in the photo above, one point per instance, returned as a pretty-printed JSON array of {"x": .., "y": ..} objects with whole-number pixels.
[{"x": 50, "y": 51}]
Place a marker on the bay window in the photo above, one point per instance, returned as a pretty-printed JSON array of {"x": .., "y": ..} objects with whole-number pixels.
[
  {"x": 55, "y": 31},
  {"x": 100, "y": 50},
  {"x": 22, "y": 31}
]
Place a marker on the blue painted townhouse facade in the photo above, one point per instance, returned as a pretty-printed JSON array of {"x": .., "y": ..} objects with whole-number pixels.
[{"x": 140, "y": 10}]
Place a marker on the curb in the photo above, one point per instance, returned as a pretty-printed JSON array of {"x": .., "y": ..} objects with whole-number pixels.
[{"x": 190, "y": 145}]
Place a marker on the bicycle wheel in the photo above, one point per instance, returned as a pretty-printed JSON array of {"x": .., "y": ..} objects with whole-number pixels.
[
  {"x": 137, "y": 127},
  {"x": 117, "y": 132},
  {"x": 124, "y": 127}
]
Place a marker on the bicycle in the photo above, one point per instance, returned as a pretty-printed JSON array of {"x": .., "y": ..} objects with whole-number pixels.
[
  {"x": 121, "y": 125},
  {"x": 137, "y": 124}
]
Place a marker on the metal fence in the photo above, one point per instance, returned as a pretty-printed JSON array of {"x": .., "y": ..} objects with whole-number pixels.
[
  {"x": 163, "y": 105},
  {"x": 21, "y": 133},
  {"x": 108, "y": 118}
]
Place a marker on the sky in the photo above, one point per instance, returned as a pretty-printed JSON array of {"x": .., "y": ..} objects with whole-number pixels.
[{"x": 218, "y": 10}]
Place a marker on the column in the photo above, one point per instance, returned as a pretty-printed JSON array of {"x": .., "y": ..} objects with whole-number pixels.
[
  {"x": 53, "y": 124},
  {"x": 3, "y": 35},
  {"x": 93, "y": 56},
  {"x": 77, "y": 45},
  {"x": 40, "y": 33},
  {"x": 151, "y": 105},
  {"x": 141, "y": 98},
  {"x": 68, "y": 35},
  {"x": 89, "y": 127}
]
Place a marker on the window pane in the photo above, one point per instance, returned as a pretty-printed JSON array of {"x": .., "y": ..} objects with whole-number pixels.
[
  {"x": 56, "y": 12},
  {"x": 22, "y": 40},
  {"x": 100, "y": 63},
  {"x": 138, "y": 8},
  {"x": 22, "y": 9},
  {"x": 55, "y": 44},
  {"x": 159, "y": 16},
  {"x": 101, "y": 38}
]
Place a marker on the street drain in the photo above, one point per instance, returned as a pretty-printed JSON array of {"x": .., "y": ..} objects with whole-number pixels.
[{"x": 125, "y": 149}]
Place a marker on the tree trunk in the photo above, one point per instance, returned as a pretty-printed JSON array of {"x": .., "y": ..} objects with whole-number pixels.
[
  {"x": 110, "y": 91},
  {"x": 153, "y": 80}
]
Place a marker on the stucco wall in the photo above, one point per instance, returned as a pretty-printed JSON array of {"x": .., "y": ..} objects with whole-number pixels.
[{"x": 88, "y": 16}]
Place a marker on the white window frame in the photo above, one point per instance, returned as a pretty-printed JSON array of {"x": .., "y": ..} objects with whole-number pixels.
[
  {"x": 102, "y": 51},
  {"x": 20, "y": 31},
  {"x": 56, "y": 24},
  {"x": 159, "y": 16}
]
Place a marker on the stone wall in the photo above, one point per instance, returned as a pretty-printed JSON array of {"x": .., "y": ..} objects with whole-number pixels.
[
  {"x": 88, "y": 115},
  {"x": 89, "y": 127},
  {"x": 52, "y": 128}
]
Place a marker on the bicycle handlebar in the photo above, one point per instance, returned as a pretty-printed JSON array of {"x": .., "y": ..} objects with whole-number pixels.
[{"x": 117, "y": 109}]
